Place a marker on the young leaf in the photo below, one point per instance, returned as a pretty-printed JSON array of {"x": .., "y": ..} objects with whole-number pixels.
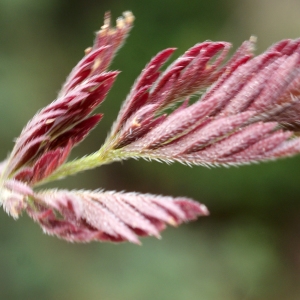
[{"x": 246, "y": 110}]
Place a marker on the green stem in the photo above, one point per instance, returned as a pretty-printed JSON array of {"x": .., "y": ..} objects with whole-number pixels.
[{"x": 101, "y": 157}]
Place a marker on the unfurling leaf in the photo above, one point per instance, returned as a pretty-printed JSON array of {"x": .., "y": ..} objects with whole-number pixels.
[
  {"x": 200, "y": 110},
  {"x": 108, "y": 216}
]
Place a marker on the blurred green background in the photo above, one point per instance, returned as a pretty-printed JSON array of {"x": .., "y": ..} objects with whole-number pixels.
[{"x": 249, "y": 248}]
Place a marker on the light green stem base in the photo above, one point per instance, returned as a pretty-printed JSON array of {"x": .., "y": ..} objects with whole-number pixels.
[{"x": 101, "y": 157}]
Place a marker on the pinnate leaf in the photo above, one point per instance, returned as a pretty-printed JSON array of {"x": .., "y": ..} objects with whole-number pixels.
[
  {"x": 96, "y": 215},
  {"x": 202, "y": 109}
]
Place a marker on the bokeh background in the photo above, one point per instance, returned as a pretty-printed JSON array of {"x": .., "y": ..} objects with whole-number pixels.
[{"x": 249, "y": 248}]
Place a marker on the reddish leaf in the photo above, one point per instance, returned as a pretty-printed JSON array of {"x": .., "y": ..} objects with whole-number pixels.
[{"x": 111, "y": 216}]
